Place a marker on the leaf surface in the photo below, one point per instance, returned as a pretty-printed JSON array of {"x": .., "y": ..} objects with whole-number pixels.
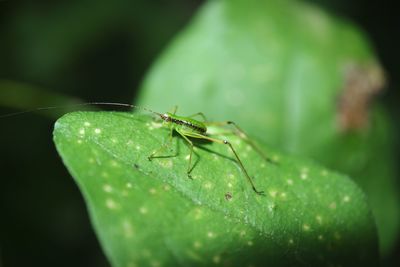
[{"x": 149, "y": 213}]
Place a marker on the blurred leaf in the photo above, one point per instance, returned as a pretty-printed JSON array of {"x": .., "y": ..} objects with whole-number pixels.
[
  {"x": 52, "y": 37},
  {"x": 293, "y": 76},
  {"x": 150, "y": 214},
  {"x": 28, "y": 98}
]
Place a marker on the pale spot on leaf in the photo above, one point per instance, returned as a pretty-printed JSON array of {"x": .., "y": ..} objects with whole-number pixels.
[
  {"x": 271, "y": 207},
  {"x": 113, "y": 163},
  {"x": 127, "y": 229},
  {"x": 275, "y": 158},
  {"x": 152, "y": 191},
  {"x": 319, "y": 219},
  {"x": 107, "y": 188},
  {"x": 156, "y": 125},
  {"x": 197, "y": 244},
  {"x": 236, "y": 142},
  {"x": 304, "y": 170},
  {"x": 217, "y": 259},
  {"x": 215, "y": 157},
  {"x": 166, "y": 187},
  {"x": 210, "y": 234},
  {"x": 143, "y": 210},
  {"x": 97, "y": 131},
  {"x": 273, "y": 193},
  {"x": 198, "y": 214},
  {"x": 208, "y": 185},
  {"x": 166, "y": 163},
  {"x": 111, "y": 204},
  {"x": 129, "y": 143}
]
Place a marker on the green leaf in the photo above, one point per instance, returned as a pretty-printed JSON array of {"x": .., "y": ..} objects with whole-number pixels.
[
  {"x": 49, "y": 44},
  {"x": 279, "y": 69},
  {"x": 149, "y": 213}
]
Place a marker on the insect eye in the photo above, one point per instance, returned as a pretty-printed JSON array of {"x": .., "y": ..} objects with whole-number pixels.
[{"x": 165, "y": 117}]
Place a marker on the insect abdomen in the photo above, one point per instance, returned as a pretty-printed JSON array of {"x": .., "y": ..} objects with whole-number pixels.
[{"x": 188, "y": 123}]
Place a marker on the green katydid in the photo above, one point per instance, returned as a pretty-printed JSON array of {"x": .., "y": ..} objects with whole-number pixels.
[{"x": 188, "y": 128}]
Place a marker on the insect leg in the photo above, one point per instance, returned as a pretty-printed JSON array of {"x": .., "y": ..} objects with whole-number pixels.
[
  {"x": 175, "y": 109},
  {"x": 164, "y": 146},
  {"x": 189, "y": 169},
  {"x": 225, "y": 142},
  {"x": 201, "y": 114},
  {"x": 242, "y": 134}
]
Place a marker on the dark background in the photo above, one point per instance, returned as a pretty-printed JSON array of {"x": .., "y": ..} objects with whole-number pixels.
[{"x": 99, "y": 51}]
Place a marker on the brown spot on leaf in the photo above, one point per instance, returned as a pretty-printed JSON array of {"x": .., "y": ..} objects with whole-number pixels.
[
  {"x": 228, "y": 196},
  {"x": 362, "y": 84}
]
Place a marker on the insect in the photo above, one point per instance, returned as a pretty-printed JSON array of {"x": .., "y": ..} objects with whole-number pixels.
[{"x": 188, "y": 128}]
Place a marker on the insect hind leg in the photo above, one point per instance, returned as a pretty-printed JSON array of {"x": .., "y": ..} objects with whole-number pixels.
[
  {"x": 225, "y": 142},
  {"x": 243, "y": 135},
  {"x": 201, "y": 114}
]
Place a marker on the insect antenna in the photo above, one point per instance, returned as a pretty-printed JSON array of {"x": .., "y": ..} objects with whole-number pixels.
[
  {"x": 121, "y": 105},
  {"x": 80, "y": 105}
]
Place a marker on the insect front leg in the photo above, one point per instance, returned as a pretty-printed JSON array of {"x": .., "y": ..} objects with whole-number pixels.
[
  {"x": 184, "y": 135},
  {"x": 163, "y": 147},
  {"x": 175, "y": 109}
]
